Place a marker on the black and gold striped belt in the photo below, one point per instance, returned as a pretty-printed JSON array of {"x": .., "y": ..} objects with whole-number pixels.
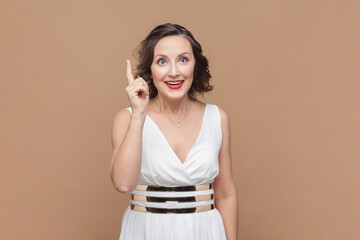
[{"x": 182, "y": 199}]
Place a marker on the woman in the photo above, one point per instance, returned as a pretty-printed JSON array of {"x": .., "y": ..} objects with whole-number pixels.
[{"x": 171, "y": 151}]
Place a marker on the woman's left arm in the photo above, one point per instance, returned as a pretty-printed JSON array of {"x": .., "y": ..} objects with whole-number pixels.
[{"x": 224, "y": 187}]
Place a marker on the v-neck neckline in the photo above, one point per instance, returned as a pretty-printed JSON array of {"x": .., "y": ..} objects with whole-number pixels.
[{"x": 191, "y": 149}]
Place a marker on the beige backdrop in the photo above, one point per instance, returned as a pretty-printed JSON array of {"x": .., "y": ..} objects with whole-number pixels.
[{"x": 287, "y": 72}]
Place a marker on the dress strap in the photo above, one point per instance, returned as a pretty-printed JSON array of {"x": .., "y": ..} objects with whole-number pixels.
[{"x": 129, "y": 108}]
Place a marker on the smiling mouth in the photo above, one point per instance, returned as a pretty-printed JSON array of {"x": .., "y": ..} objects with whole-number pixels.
[{"x": 174, "y": 83}]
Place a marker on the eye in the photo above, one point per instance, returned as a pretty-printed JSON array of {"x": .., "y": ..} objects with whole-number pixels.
[
  {"x": 183, "y": 59},
  {"x": 161, "y": 61}
]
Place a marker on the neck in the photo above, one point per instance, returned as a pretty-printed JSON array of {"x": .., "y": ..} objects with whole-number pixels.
[{"x": 172, "y": 107}]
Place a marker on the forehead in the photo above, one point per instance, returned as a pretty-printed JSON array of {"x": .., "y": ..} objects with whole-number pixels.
[{"x": 172, "y": 45}]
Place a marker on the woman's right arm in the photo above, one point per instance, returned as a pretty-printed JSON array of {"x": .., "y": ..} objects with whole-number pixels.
[
  {"x": 126, "y": 136},
  {"x": 127, "y": 146}
]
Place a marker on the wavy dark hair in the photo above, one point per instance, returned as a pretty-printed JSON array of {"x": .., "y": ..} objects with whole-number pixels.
[{"x": 145, "y": 55}]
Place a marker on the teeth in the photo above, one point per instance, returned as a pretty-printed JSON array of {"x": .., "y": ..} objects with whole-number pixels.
[{"x": 174, "y": 83}]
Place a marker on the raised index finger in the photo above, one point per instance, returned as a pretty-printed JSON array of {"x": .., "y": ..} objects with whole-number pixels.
[{"x": 129, "y": 74}]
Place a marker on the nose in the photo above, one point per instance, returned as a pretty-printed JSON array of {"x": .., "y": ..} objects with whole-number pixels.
[{"x": 174, "y": 71}]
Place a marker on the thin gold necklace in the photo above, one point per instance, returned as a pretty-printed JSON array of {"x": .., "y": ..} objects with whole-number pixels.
[{"x": 178, "y": 124}]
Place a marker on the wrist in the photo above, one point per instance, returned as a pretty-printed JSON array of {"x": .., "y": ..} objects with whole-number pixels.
[{"x": 138, "y": 117}]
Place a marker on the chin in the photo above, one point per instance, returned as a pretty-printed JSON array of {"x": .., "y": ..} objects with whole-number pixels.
[{"x": 174, "y": 94}]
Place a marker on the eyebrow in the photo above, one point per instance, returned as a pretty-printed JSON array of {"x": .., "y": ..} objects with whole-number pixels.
[{"x": 162, "y": 55}]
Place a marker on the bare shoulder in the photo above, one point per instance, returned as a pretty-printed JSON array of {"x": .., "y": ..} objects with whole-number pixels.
[
  {"x": 225, "y": 127},
  {"x": 224, "y": 117},
  {"x": 121, "y": 118},
  {"x": 119, "y": 126},
  {"x": 122, "y": 115}
]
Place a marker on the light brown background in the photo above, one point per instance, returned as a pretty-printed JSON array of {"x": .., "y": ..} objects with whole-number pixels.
[{"x": 287, "y": 72}]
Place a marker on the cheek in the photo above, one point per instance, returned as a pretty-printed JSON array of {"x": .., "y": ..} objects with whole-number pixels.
[
  {"x": 158, "y": 73},
  {"x": 189, "y": 71}
]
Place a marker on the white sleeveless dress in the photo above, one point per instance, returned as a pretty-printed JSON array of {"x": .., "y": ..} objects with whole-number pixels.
[{"x": 162, "y": 167}]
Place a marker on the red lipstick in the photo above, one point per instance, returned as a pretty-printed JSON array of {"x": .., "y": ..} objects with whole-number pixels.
[{"x": 174, "y": 84}]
